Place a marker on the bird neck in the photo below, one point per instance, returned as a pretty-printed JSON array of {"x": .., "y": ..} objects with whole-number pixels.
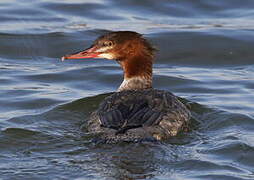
[{"x": 137, "y": 73}]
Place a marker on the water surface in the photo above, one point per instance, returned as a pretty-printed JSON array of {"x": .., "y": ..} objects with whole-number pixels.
[{"x": 205, "y": 57}]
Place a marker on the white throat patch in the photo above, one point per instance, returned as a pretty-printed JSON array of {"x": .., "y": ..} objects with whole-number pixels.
[
  {"x": 135, "y": 83},
  {"x": 106, "y": 55}
]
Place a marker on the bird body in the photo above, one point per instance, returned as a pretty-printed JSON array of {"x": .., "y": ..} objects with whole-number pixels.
[{"x": 137, "y": 115}]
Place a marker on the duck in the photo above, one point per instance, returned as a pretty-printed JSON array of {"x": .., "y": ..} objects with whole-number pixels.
[{"x": 136, "y": 112}]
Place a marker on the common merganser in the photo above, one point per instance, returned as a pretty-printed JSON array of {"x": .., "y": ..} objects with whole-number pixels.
[{"x": 136, "y": 112}]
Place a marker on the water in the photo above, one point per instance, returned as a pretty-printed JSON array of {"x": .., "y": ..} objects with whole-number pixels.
[{"x": 205, "y": 56}]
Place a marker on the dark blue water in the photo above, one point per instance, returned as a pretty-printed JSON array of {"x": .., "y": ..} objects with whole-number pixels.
[{"x": 205, "y": 57}]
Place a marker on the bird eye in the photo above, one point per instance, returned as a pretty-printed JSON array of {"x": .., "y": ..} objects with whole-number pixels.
[{"x": 108, "y": 43}]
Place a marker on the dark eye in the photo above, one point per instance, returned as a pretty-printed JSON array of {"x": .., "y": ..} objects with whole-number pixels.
[{"x": 108, "y": 43}]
